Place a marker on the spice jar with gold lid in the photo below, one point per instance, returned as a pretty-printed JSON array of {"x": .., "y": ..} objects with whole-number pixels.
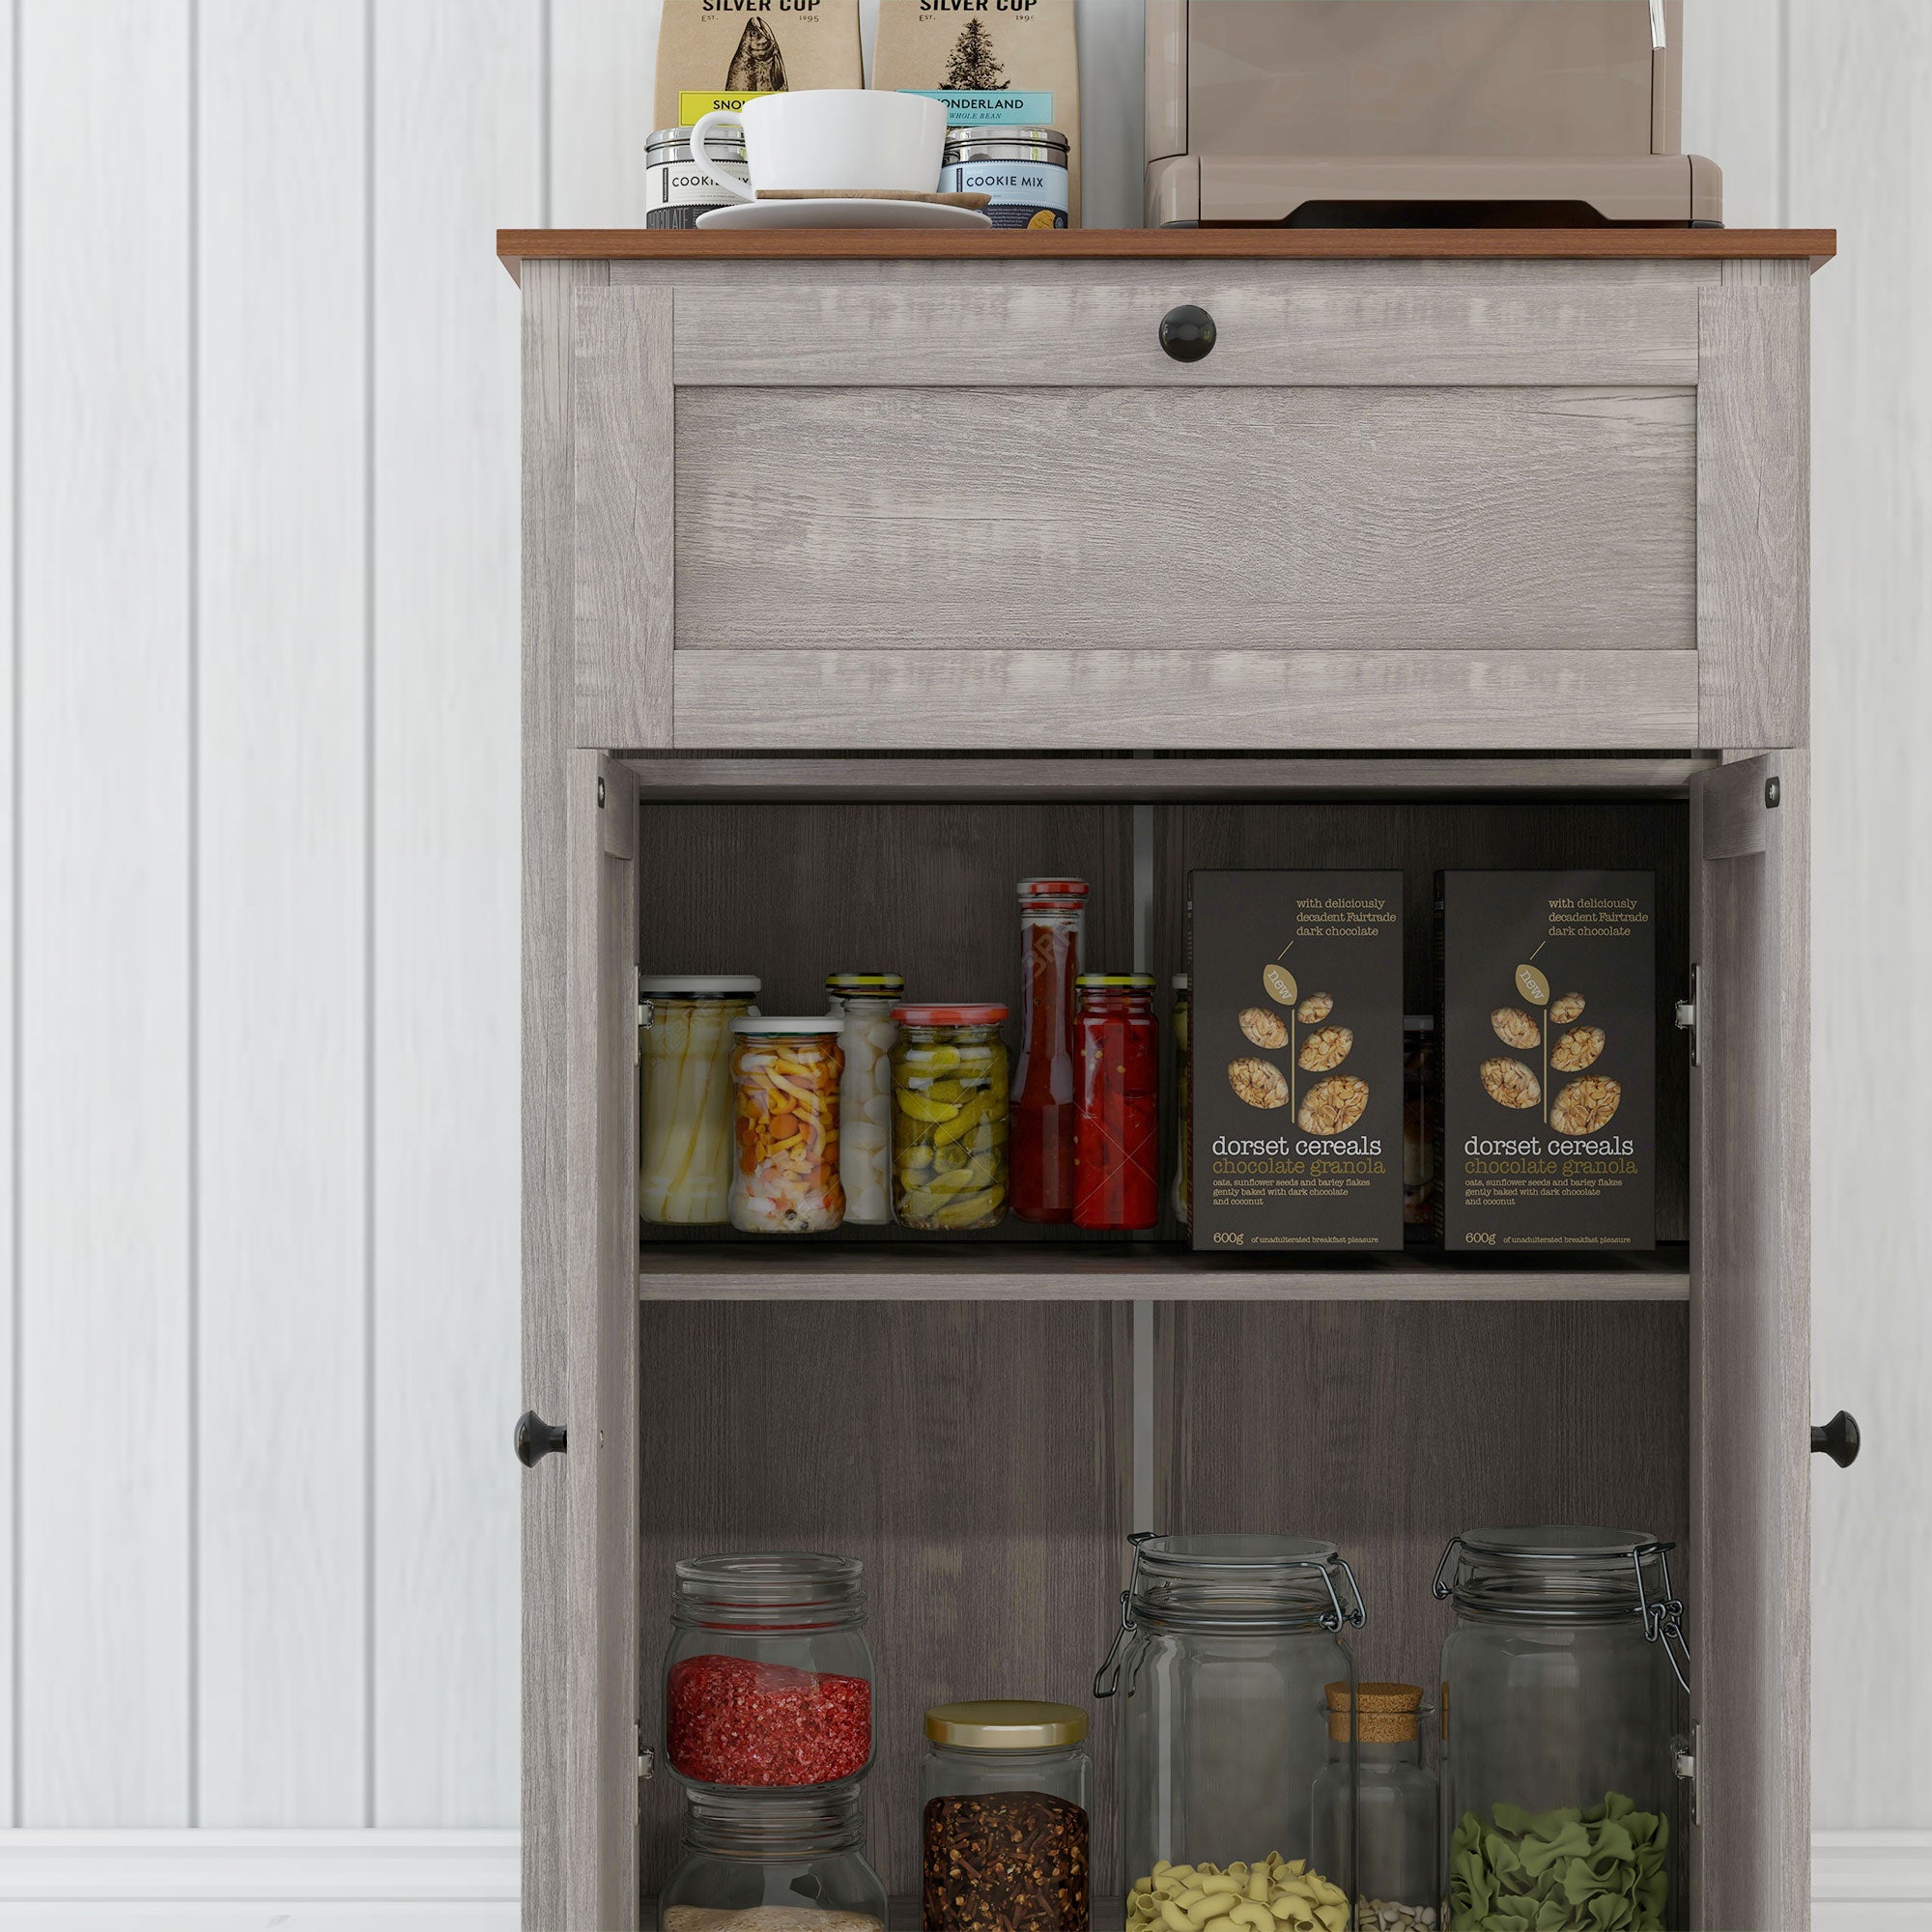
[
  {"x": 1005, "y": 1789},
  {"x": 1394, "y": 1815}
]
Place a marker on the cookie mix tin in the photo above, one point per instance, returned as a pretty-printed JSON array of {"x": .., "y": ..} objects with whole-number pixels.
[
  {"x": 1024, "y": 169},
  {"x": 675, "y": 192}
]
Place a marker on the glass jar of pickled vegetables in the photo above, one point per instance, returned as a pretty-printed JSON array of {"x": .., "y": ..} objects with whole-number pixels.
[
  {"x": 1184, "y": 1078},
  {"x": 1117, "y": 1102},
  {"x": 1053, "y": 916},
  {"x": 785, "y": 1074},
  {"x": 949, "y": 1117},
  {"x": 684, "y": 1095},
  {"x": 864, "y": 1001}
]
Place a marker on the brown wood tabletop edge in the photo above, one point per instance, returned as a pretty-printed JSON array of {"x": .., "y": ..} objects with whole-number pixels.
[{"x": 1256, "y": 243}]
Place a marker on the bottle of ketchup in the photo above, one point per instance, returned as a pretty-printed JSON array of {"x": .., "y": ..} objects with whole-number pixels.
[{"x": 1053, "y": 914}]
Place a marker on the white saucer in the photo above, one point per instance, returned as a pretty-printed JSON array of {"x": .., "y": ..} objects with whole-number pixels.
[{"x": 832, "y": 211}]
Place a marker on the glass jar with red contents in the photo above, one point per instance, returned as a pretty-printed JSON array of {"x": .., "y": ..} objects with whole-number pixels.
[
  {"x": 1053, "y": 916},
  {"x": 1117, "y": 1107},
  {"x": 768, "y": 1680}
]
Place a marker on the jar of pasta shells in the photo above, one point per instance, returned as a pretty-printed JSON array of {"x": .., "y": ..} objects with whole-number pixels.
[
  {"x": 1225, "y": 1647},
  {"x": 949, "y": 1117}
]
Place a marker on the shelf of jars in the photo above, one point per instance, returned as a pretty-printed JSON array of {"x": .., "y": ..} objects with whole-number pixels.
[{"x": 1229, "y": 1768}]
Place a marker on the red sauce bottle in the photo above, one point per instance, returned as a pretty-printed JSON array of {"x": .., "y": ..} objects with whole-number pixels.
[
  {"x": 1116, "y": 1112},
  {"x": 1053, "y": 916}
]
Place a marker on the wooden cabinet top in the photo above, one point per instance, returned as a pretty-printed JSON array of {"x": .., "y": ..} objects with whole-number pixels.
[{"x": 1817, "y": 245}]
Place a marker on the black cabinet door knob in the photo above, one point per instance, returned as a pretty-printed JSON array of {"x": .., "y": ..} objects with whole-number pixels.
[
  {"x": 1838, "y": 1438},
  {"x": 1187, "y": 333},
  {"x": 535, "y": 1439}
]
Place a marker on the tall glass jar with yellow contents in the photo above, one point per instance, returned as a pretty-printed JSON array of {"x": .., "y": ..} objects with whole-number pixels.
[
  {"x": 785, "y": 1076},
  {"x": 684, "y": 1092},
  {"x": 950, "y": 1116}
]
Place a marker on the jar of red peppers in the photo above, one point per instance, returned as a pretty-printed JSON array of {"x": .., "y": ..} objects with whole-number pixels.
[
  {"x": 1117, "y": 1109},
  {"x": 1053, "y": 916},
  {"x": 768, "y": 1680}
]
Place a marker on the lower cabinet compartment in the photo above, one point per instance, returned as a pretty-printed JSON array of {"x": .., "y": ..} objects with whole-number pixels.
[{"x": 982, "y": 1460}]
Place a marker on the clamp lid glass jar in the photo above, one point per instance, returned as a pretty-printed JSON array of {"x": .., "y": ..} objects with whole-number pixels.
[
  {"x": 785, "y": 1073},
  {"x": 1006, "y": 1791},
  {"x": 949, "y": 1117},
  {"x": 774, "y": 1862},
  {"x": 768, "y": 1679},
  {"x": 1226, "y": 1646},
  {"x": 684, "y": 1092},
  {"x": 1560, "y": 1700},
  {"x": 865, "y": 1002}
]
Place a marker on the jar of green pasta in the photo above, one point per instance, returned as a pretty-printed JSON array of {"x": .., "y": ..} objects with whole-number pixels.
[
  {"x": 948, "y": 1118},
  {"x": 1565, "y": 1686}
]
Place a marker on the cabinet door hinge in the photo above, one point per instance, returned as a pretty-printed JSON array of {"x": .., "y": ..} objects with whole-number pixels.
[
  {"x": 1686, "y": 1014},
  {"x": 643, "y": 1015},
  {"x": 1685, "y": 1757}
]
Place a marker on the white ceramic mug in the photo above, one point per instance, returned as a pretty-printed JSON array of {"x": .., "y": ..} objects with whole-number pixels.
[{"x": 831, "y": 139}]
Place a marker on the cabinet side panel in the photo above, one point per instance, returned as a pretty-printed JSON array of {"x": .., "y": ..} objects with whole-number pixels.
[
  {"x": 547, "y": 619},
  {"x": 622, "y": 584},
  {"x": 1751, "y": 1345},
  {"x": 1753, "y": 512},
  {"x": 973, "y": 1456}
]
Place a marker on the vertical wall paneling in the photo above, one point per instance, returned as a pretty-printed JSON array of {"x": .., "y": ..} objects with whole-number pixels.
[
  {"x": 456, "y": 136},
  {"x": 603, "y": 57},
  {"x": 103, "y": 899},
  {"x": 8, "y": 899},
  {"x": 1734, "y": 101},
  {"x": 282, "y": 950},
  {"x": 1861, "y": 154}
]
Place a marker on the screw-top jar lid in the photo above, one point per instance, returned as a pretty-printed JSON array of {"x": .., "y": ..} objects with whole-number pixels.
[
  {"x": 773, "y": 1589},
  {"x": 1180, "y": 982},
  {"x": 864, "y": 983},
  {"x": 968, "y": 1014},
  {"x": 1386, "y": 1714},
  {"x": 764, "y": 1023},
  {"x": 774, "y": 1821},
  {"x": 1006, "y": 1724},
  {"x": 1053, "y": 889},
  {"x": 1114, "y": 982},
  {"x": 699, "y": 985}
]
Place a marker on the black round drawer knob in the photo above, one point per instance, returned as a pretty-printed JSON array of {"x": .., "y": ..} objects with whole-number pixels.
[
  {"x": 534, "y": 1438},
  {"x": 1838, "y": 1438},
  {"x": 1187, "y": 333}
]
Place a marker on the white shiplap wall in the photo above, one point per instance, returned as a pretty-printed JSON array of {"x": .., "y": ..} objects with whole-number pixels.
[{"x": 257, "y": 1513}]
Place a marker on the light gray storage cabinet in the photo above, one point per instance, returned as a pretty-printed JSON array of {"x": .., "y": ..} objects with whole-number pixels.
[{"x": 863, "y": 575}]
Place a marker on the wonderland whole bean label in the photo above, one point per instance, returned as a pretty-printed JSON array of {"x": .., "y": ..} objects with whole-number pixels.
[
  {"x": 1297, "y": 1056},
  {"x": 1547, "y": 991}
]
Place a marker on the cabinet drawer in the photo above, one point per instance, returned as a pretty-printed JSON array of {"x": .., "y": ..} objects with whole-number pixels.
[{"x": 906, "y": 504}]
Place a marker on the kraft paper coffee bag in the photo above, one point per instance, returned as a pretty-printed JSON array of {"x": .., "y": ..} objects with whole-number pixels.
[
  {"x": 993, "y": 62},
  {"x": 718, "y": 53}
]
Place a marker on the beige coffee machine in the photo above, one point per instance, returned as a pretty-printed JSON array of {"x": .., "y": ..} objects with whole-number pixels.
[{"x": 1420, "y": 113}]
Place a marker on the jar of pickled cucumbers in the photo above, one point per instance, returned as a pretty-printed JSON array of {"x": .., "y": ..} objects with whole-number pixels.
[
  {"x": 949, "y": 1117},
  {"x": 785, "y": 1080},
  {"x": 864, "y": 1001},
  {"x": 684, "y": 1092}
]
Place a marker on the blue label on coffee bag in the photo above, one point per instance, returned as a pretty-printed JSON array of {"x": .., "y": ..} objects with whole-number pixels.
[{"x": 990, "y": 107}]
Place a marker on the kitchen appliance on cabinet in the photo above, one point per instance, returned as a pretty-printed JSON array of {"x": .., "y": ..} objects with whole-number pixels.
[{"x": 1421, "y": 113}]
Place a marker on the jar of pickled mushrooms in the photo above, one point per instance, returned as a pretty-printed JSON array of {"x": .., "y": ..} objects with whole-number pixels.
[{"x": 784, "y": 1075}]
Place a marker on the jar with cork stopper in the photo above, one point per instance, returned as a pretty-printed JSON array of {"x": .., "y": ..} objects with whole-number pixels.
[{"x": 1395, "y": 1806}]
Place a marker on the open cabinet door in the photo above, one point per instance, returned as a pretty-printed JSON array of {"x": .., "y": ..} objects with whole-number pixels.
[
  {"x": 579, "y": 1368},
  {"x": 1750, "y": 1345}
]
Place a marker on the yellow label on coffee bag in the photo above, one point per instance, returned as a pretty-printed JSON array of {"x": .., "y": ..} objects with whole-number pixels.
[{"x": 693, "y": 102}]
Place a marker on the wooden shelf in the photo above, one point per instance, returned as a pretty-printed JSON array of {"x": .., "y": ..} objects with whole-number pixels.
[
  {"x": 1157, "y": 777},
  {"x": 813, "y": 1270},
  {"x": 1816, "y": 246}
]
